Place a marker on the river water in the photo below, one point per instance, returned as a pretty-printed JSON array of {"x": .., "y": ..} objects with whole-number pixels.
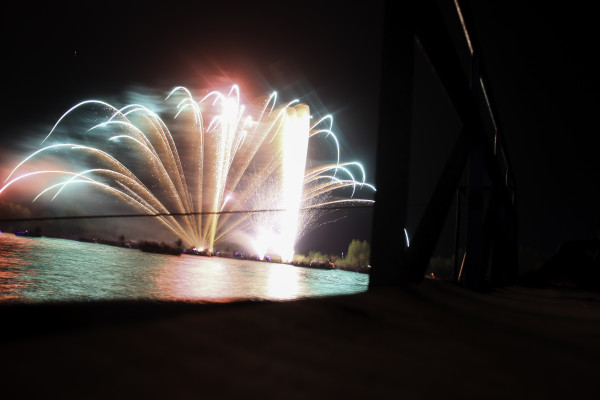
[{"x": 47, "y": 269}]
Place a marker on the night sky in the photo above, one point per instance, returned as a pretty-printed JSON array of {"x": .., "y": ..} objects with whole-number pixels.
[
  {"x": 543, "y": 72},
  {"x": 58, "y": 55},
  {"x": 539, "y": 59}
]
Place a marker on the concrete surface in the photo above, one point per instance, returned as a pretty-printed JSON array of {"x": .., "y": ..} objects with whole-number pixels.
[{"x": 432, "y": 340}]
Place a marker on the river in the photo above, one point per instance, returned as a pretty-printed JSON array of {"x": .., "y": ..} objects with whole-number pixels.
[{"x": 48, "y": 269}]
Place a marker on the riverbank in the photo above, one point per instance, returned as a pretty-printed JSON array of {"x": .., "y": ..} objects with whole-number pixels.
[
  {"x": 432, "y": 340},
  {"x": 164, "y": 248}
]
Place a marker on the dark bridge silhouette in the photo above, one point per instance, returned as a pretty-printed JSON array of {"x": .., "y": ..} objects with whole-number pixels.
[{"x": 489, "y": 237}]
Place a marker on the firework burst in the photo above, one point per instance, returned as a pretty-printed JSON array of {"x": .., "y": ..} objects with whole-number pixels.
[{"x": 234, "y": 170}]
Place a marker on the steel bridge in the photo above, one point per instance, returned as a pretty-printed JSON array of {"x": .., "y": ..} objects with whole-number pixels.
[{"x": 485, "y": 249}]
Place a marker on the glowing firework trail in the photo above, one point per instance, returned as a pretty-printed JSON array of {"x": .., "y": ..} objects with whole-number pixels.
[
  {"x": 295, "y": 147},
  {"x": 235, "y": 162}
]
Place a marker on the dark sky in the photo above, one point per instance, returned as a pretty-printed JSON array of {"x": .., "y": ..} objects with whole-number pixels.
[
  {"x": 57, "y": 55},
  {"x": 540, "y": 59},
  {"x": 543, "y": 72}
]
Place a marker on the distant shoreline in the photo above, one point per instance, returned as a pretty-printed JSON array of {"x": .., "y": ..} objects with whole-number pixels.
[{"x": 166, "y": 249}]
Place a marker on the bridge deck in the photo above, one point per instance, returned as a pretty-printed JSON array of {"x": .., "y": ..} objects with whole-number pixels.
[{"x": 433, "y": 339}]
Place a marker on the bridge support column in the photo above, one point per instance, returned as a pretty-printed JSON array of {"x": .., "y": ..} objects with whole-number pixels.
[{"x": 393, "y": 147}]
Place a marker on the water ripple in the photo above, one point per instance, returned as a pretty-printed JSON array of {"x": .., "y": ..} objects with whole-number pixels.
[{"x": 46, "y": 269}]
